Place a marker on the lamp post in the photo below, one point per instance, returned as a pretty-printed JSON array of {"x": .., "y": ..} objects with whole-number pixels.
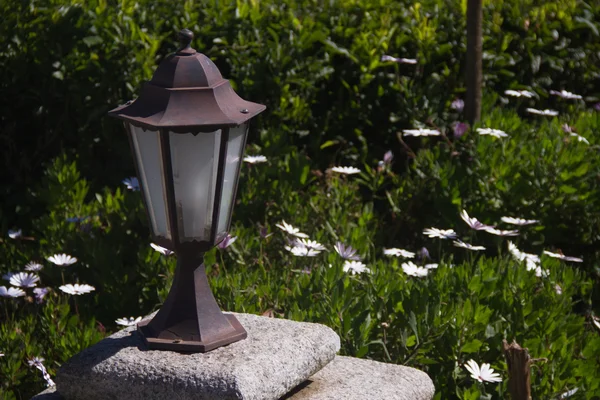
[{"x": 187, "y": 131}]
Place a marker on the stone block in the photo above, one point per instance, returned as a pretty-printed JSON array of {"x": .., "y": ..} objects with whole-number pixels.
[
  {"x": 347, "y": 378},
  {"x": 356, "y": 379},
  {"x": 277, "y": 356}
]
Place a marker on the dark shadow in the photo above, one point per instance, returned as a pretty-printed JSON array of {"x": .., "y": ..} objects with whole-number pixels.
[{"x": 297, "y": 389}]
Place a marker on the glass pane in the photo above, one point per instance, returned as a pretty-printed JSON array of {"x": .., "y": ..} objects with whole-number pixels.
[
  {"x": 194, "y": 159},
  {"x": 235, "y": 149},
  {"x": 146, "y": 146}
]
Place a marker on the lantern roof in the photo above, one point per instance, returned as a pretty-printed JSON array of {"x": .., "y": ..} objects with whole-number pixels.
[{"x": 187, "y": 94}]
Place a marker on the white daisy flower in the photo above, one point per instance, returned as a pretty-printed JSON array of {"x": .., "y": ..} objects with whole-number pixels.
[
  {"x": 421, "y": 132},
  {"x": 568, "y": 393},
  {"x": 547, "y": 113},
  {"x": 62, "y": 259},
  {"x": 11, "y": 292},
  {"x": 497, "y": 133},
  {"x": 15, "y": 234},
  {"x": 562, "y": 257},
  {"x": 519, "y": 93},
  {"x": 398, "y": 60},
  {"x": 24, "y": 280},
  {"x": 77, "y": 289},
  {"x": 499, "y": 232},
  {"x": 255, "y": 159},
  {"x": 161, "y": 250},
  {"x": 311, "y": 244},
  {"x": 596, "y": 322},
  {"x": 460, "y": 243},
  {"x": 302, "y": 251},
  {"x": 566, "y": 95},
  {"x": 37, "y": 363},
  {"x": 346, "y": 170},
  {"x": 431, "y": 266},
  {"x": 128, "y": 321},
  {"x": 579, "y": 138},
  {"x": 355, "y": 267},
  {"x": 33, "y": 266},
  {"x": 440, "y": 233},
  {"x": 532, "y": 261},
  {"x": 483, "y": 374},
  {"x": 539, "y": 272},
  {"x": 346, "y": 252},
  {"x": 411, "y": 269},
  {"x": 284, "y": 226},
  {"x": 519, "y": 221},
  {"x": 474, "y": 222},
  {"x": 399, "y": 253},
  {"x": 558, "y": 289},
  {"x": 132, "y": 183},
  {"x": 521, "y": 256}
]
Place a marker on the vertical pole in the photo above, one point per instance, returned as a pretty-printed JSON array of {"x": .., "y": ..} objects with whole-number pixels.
[
  {"x": 519, "y": 361},
  {"x": 474, "y": 77}
]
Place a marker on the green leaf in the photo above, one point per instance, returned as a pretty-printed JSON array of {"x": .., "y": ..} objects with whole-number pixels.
[
  {"x": 568, "y": 189},
  {"x": 471, "y": 347},
  {"x": 328, "y": 144}
]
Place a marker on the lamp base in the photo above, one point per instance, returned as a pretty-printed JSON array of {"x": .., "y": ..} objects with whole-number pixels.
[
  {"x": 163, "y": 342},
  {"x": 190, "y": 319}
]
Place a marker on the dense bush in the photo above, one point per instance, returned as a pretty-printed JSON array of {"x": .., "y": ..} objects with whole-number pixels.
[{"x": 317, "y": 65}]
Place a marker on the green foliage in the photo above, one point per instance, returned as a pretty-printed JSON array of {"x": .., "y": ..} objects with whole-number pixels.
[{"x": 331, "y": 101}]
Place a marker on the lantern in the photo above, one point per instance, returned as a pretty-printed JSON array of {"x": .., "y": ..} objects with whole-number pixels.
[{"x": 187, "y": 131}]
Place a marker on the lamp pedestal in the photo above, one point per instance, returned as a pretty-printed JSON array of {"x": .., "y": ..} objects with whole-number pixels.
[
  {"x": 280, "y": 360},
  {"x": 190, "y": 319}
]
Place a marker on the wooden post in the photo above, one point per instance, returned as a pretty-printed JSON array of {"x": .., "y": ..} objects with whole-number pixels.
[
  {"x": 474, "y": 76},
  {"x": 519, "y": 362}
]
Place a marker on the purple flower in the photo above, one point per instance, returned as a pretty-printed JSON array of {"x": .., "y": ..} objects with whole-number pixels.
[
  {"x": 388, "y": 157},
  {"x": 346, "y": 252},
  {"x": 76, "y": 219},
  {"x": 423, "y": 253},
  {"x": 264, "y": 232},
  {"x": 597, "y": 106},
  {"x": 459, "y": 129},
  {"x": 567, "y": 128},
  {"x": 228, "y": 241},
  {"x": 132, "y": 183},
  {"x": 458, "y": 105},
  {"x": 40, "y": 293}
]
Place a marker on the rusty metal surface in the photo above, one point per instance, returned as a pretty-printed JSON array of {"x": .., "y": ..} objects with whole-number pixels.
[
  {"x": 187, "y": 94},
  {"x": 190, "y": 319}
]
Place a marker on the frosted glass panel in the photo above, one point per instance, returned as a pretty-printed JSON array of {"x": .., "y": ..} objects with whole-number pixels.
[
  {"x": 235, "y": 149},
  {"x": 194, "y": 161},
  {"x": 146, "y": 146}
]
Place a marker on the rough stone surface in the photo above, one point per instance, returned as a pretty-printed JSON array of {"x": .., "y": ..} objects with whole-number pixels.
[
  {"x": 348, "y": 378},
  {"x": 277, "y": 356},
  {"x": 355, "y": 379}
]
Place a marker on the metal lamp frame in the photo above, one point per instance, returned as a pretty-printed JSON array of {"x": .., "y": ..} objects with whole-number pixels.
[{"x": 187, "y": 94}]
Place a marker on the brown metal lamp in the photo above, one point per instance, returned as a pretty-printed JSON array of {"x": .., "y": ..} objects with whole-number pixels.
[{"x": 187, "y": 131}]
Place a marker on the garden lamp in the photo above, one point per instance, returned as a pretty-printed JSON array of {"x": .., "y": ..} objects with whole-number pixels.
[{"x": 187, "y": 130}]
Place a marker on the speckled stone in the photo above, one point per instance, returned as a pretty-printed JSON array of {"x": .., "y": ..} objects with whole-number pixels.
[
  {"x": 347, "y": 378},
  {"x": 355, "y": 379},
  {"x": 277, "y": 356}
]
